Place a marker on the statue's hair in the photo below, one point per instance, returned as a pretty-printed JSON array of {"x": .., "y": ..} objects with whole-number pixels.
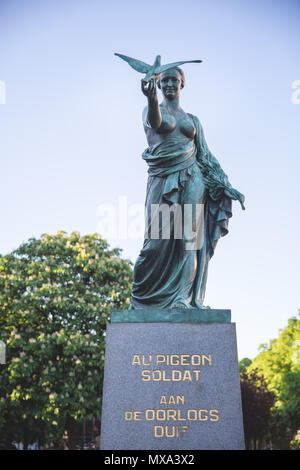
[{"x": 181, "y": 74}]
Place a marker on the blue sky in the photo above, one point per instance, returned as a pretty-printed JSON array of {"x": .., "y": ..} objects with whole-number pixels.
[{"x": 71, "y": 136}]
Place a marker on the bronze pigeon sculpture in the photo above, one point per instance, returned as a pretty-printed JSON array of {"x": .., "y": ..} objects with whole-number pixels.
[{"x": 152, "y": 71}]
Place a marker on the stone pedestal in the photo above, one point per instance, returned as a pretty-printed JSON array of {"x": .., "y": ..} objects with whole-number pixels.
[{"x": 171, "y": 385}]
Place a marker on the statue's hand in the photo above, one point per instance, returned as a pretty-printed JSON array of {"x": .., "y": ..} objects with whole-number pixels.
[{"x": 149, "y": 89}]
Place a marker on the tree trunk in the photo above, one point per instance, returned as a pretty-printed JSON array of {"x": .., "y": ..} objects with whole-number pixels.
[
  {"x": 72, "y": 435},
  {"x": 25, "y": 436}
]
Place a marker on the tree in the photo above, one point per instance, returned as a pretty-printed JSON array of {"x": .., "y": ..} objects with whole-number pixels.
[
  {"x": 279, "y": 363},
  {"x": 244, "y": 363},
  {"x": 257, "y": 402},
  {"x": 56, "y": 294}
]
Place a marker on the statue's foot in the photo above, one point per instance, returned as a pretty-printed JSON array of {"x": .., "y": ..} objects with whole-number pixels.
[
  {"x": 180, "y": 305},
  {"x": 201, "y": 306}
]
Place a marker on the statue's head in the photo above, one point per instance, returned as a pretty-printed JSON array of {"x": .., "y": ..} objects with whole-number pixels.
[{"x": 171, "y": 82}]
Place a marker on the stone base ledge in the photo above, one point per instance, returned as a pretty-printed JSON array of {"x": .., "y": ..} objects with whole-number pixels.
[{"x": 171, "y": 315}]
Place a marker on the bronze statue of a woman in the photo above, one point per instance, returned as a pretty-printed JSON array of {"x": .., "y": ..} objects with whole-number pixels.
[{"x": 182, "y": 172}]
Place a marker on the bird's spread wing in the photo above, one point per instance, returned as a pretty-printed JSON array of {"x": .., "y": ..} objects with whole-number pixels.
[
  {"x": 137, "y": 65},
  {"x": 165, "y": 67}
]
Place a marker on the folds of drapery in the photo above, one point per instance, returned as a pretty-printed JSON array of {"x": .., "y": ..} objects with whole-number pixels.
[
  {"x": 163, "y": 277},
  {"x": 171, "y": 160},
  {"x": 218, "y": 206}
]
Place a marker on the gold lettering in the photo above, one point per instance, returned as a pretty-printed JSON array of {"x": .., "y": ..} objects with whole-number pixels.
[
  {"x": 171, "y": 414},
  {"x": 206, "y": 358},
  {"x": 214, "y": 415},
  {"x": 146, "y": 375},
  {"x": 192, "y": 415},
  {"x": 200, "y": 415},
  {"x": 149, "y": 359},
  {"x": 136, "y": 416},
  {"x": 172, "y": 434},
  {"x": 174, "y": 372},
  {"x": 160, "y": 359},
  {"x": 184, "y": 358},
  {"x": 175, "y": 360},
  {"x": 180, "y": 399},
  {"x": 161, "y": 415},
  {"x": 163, "y": 400},
  {"x": 174, "y": 375},
  {"x": 187, "y": 375},
  {"x": 150, "y": 415},
  {"x": 179, "y": 416},
  {"x": 158, "y": 431},
  {"x": 156, "y": 375},
  {"x": 170, "y": 431},
  {"x": 196, "y": 360},
  {"x": 171, "y": 400},
  {"x": 165, "y": 379},
  {"x": 136, "y": 360},
  {"x": 184, "y": 428},
  {"x": 197, "y": 372},
  {"x": 128, "y": 415}
]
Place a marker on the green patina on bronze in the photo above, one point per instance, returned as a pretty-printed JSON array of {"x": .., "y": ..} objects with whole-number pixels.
[
  {"x": 170, "y": 315},
  {"x": 182, "y": 171}
]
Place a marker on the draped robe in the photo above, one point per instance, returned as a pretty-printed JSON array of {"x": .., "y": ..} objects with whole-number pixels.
[{"x": 181, "y": 172}]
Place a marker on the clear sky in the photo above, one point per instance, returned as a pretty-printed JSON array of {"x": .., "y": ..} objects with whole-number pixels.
[{"x": 71, "y": 136}]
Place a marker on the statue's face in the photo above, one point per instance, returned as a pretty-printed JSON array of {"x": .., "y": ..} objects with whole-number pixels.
[{"x": 170, "y": 83}]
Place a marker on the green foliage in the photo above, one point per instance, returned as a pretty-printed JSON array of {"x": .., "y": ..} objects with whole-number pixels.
[
  {"x": 257, "y": 402},
  {"x": 295, "y": 444},
  {"x": 56, "y": 294},
  {"x": 244, "y": 363},
  {"x": 279, "y": 363}
]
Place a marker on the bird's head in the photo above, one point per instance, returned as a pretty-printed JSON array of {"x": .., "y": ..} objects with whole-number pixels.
[{"x": 157, "y": 61}]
